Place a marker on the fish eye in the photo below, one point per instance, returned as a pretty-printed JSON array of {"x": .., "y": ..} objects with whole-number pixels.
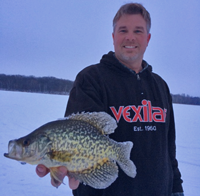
[{"x": 26, "y": 142}]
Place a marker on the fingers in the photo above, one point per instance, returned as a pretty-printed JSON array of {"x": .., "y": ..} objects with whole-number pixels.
[
  {"x": 41, "y": 170},
  {"x": 73, "y": 184},
  {"x": 61, "y": 173}
]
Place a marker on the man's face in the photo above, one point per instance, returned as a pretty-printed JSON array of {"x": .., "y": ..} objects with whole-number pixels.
[{"x": 130, "y": 39}]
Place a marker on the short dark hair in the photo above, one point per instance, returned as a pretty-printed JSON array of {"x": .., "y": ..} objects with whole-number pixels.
[{"x": 133, "y": 8}]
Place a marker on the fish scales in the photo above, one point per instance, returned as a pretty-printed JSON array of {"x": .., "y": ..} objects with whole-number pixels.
[
  {"x": 80, "y": 143},
  {"x": 86, "y": 144},
  {"x": 82, "y": 139}
]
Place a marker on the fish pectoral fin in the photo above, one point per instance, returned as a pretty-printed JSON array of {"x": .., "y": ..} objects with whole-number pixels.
[
  {"x": 61, "y": 156},
  {"x": 56, "y": 176},
  {"x": 99, "y": 176}
]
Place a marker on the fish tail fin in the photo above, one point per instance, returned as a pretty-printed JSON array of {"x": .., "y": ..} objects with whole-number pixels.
[{"x": 124, "y": 150}]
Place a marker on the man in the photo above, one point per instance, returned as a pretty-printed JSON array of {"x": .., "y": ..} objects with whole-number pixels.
[{"x": 124, "y": 86}]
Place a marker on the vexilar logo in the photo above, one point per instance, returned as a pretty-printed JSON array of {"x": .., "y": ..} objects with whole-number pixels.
[{"x": 143, "y": 113}]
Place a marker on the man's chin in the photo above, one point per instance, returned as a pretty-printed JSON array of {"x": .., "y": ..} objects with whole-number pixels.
[{"x": 129, "y": 58}]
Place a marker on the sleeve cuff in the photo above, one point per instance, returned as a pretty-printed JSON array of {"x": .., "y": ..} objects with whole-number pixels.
[{"x": 177, "y": 194}]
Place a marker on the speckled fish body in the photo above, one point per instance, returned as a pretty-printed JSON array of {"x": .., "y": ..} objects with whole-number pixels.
[{"x": 80, "y": 143}]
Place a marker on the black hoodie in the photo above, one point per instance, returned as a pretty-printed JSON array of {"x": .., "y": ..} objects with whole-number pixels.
[{"x": 142, "y": 106}]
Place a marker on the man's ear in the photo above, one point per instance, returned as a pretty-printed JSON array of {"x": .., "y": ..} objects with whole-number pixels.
[
  {"x": 113, "y": 37},
  {"x": 148, "y": 38}
]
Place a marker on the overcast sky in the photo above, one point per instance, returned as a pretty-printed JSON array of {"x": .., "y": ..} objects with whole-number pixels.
[{"x": 60, "y": 37}]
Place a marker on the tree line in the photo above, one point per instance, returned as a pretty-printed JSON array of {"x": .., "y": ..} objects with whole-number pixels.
[
  {"x": 52, "y": 85},
  {"x": 186, "y": 99}
]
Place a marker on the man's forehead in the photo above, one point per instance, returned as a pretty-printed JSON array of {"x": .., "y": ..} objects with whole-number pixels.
[
  {"x": 136, "y": 27},
  {"x": 133, "y": 21}
]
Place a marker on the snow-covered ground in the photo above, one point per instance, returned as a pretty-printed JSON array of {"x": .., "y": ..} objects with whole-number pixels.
[{"x": 21, "y": 113}]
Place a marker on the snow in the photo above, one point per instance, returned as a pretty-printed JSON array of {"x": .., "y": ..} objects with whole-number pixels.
[{"x": 21, "y": 113}]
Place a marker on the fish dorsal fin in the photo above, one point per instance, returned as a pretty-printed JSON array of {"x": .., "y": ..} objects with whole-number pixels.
[{"x": 101, "y": 120}]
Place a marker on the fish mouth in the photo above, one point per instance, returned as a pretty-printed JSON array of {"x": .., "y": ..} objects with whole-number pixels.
[
  {"x": 6, "y": 155},
  {"x": 14, "y": 151}
]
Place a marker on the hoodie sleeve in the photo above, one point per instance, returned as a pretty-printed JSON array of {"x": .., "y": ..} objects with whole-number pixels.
[
  {"x": 177, "y": 181},
  {"x": 85, "y": 95}
]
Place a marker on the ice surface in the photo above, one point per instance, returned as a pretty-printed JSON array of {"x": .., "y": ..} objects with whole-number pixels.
[{"x": 21, "y": 113}]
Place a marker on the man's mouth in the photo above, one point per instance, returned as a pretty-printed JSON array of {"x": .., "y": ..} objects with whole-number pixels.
[{"x": 130, "y": 47}]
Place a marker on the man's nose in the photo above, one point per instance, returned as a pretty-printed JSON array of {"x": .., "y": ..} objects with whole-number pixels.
[{"x": 130, "y": 36}]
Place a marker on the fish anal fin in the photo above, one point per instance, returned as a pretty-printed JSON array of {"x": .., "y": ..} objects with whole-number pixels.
[{"x": 99, "y": 176}]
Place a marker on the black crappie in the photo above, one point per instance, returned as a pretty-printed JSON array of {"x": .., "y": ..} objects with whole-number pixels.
[{"x": 79, "y": 143}]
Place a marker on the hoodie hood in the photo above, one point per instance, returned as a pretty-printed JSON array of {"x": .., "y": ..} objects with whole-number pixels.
[{"x": 113, "y": 63}]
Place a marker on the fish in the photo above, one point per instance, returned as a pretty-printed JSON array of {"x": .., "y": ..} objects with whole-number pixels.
[{"x": 81, "y": 143}]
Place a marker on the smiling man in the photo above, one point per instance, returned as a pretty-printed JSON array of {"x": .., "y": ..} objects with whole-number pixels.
[
  {"x": 123, "y": 85},
  {"x": 131, "y": 37}
]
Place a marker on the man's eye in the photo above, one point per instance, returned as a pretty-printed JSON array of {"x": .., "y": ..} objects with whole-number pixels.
[
  {"x": 122, "y": 30},
  {"x": 138, "y": 31}
]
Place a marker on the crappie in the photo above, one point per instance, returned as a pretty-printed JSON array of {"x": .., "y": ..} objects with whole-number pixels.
[{"x": 80, "y": 143}]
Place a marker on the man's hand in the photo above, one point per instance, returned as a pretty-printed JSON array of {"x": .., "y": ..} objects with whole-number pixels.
[{"x": 42, "y": 171}]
